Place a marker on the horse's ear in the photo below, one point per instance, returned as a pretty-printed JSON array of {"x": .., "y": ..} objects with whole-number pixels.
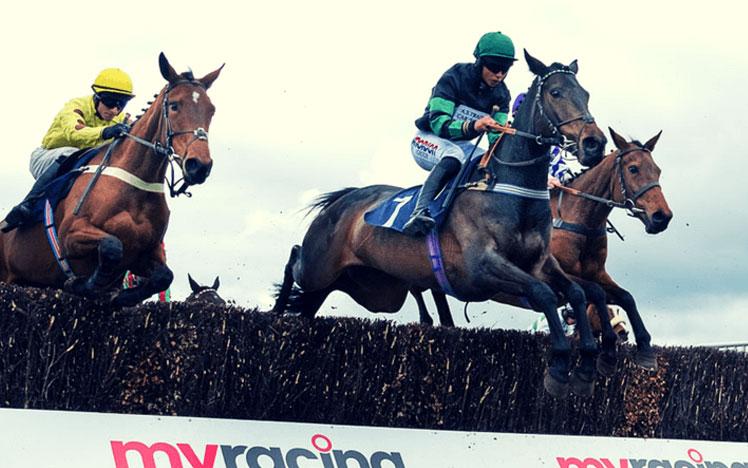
[
  {"x": 216, "y": 283},
  {"x": 650, "y": 144},
  {"x": 193, "y": 284},
  {"x": 167, "y": 71},
  {"x": 208, "y": 79},
  {"x": 574, "y": 67},
  {"x": 618, "y": 140},
  {"x": 536, "y": 66}
]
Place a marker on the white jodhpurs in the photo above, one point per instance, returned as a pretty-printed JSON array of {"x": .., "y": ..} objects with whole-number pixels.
[
  {"x": 428, "y": 149},
  {"x": 42, "y": 158}
]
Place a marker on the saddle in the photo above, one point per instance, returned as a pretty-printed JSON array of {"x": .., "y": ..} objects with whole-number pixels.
[
  {"x": 395, "y": 211},
  {"x": 58, "y": 188}
]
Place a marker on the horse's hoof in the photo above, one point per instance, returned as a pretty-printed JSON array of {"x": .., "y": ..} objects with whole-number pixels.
[
  {"x": 581, "y": 385},
  {"x": 646, "y": 360},
  {"x": 606, "y": 366},
  {"x": 555, "y": 387}
]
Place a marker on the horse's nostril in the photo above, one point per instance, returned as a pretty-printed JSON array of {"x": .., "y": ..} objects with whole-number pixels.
[
  {"x": 590, "y": 144},
  {"x": 660, "y": 217}
]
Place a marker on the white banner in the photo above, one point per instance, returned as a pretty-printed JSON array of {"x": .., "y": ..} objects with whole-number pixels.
[{"x": 56, "y": 439}]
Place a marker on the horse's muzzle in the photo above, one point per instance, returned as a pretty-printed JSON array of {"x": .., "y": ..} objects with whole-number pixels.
[
  {"x": 593, "y": 148},
  {"x": 658, "y": 222},
  {"x": 195, "y": 171}
]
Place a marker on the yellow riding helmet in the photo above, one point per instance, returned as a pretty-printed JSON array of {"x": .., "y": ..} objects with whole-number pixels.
[{"x": 113, "y": 80}]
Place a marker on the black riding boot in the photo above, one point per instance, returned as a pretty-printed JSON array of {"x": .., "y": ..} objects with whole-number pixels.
[
  {"x": 421, "y": 222},
  {"x": 22, "y": 213}
]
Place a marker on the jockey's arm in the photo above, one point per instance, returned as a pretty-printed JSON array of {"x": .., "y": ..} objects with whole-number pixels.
[{"x": 76, "y": 130}]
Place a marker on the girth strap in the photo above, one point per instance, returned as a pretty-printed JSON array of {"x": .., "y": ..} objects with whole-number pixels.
[
  {"x": 579, "y": 228},
  {"x": 437, "y": 264}
]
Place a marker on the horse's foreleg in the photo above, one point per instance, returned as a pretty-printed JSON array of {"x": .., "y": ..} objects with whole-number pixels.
[
  {"x": 442, "y": 307},
  {"x": 645, "y": 355},
  {"x": 423, "y": 313},
  {"x": 499, "y": 275},
  {"x": 108, "y": 271},
  {"x": 583, "y": 381},
  {"x": 154, "y": 277},
  {"x": 595, "y": 294}
]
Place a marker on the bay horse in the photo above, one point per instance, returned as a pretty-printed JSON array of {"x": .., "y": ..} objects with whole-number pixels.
[
  {"x": 627, "y": 178},
  {"x": 493, "y": 240},
  {"x": 203, "y": 293},
  {"x": 123, "y": 219}
]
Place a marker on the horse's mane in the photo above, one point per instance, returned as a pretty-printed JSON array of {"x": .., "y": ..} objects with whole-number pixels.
[{"x": 186, "y": 75}]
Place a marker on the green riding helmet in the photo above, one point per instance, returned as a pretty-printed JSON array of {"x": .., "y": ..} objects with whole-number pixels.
[{"x": 495, "y": 44}]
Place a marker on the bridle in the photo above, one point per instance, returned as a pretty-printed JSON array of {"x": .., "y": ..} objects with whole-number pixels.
[
  {"x": 630, "y": 201},
  {"x": 166, "y": 149},
  {"x": 557, "y": 138}
]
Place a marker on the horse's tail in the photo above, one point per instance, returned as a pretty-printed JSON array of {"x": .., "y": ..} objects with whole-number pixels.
[
  {"x": 306, "y": 303},
  {"x": 327, "y": 199}
]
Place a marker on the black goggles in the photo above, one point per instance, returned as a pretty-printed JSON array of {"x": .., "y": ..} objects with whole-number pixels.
[
  {"x": 496, "y": 64},
  {"x": 114, "y": 100}
]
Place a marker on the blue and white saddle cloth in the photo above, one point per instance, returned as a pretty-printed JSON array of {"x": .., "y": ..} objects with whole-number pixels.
[{"x": 395, "y": 211}]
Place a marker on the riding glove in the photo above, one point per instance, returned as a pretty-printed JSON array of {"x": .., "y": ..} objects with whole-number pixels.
[{"x": 115, "y": 131}]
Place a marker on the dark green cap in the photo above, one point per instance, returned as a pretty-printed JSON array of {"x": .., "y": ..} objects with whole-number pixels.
[{"x": 494, "y": 44}]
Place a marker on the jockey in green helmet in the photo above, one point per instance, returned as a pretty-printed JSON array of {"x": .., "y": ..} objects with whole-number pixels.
[{"x": 469, "y": 99}]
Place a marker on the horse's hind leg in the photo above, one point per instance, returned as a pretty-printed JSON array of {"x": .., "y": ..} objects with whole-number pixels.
[
  {"x": 284, "y": 292},
  {"x": 423, "y": 313}
]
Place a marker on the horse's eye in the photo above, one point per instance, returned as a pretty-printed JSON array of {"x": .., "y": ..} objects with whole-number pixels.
[
  {"x": 633, "y": 169},
  {"x": 173, "y": 106},
  {"x": 555, "y": 93}
]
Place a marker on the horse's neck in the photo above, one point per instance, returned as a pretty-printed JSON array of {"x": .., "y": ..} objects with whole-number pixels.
[
  {"x": 516, "y": 149},
  {"x": 139, "y": 159},
  {"x": 599, "y": 181}
]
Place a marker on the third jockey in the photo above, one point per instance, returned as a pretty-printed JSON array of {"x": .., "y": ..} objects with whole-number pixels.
[{"x": 468, "y": 100}]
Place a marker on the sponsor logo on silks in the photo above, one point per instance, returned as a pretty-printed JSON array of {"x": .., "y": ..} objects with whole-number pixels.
[
  {"x": 464, "y": 112},
  {"x": 425, "y": 146},
  {"x": 244, "y": 456},
  {"x": 695, "y": 460}
]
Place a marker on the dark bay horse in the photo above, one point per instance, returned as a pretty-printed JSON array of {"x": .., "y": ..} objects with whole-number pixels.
[
  {"x": 202, "y": 293},
  {"x": 627, "y": 178},
  {"x": 122, "y": 222},
  {"x": 492, "y": 241}
]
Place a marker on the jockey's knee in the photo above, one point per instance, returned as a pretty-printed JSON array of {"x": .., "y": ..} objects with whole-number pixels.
[{"x": 450, "y": 164}]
